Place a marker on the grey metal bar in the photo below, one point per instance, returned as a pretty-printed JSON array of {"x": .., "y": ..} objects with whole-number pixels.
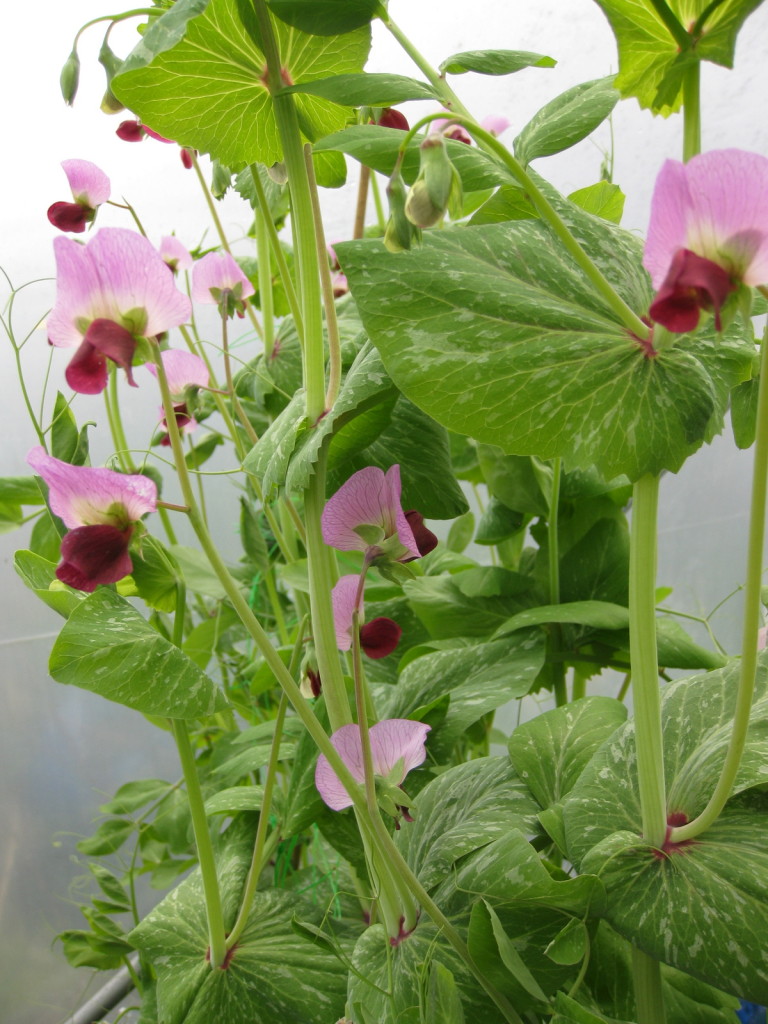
[{"x": 108, "y": 996}]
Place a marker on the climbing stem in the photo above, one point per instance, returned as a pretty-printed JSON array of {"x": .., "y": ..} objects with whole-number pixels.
[
  {"x": 750, "y": 619},
  {"x": 216, "y": 935},
  {"x": 302, "y": 219},
  {"x": 645, "y": 673}
]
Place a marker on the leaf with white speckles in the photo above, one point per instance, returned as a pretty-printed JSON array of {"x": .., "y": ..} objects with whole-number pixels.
[
  {"x": 107, "y": 647},
  {"x": 496, "y": 333}
]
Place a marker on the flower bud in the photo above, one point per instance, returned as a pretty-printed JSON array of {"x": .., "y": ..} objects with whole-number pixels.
[
  {"x": 221, "y": 180},
  {"x": 70, "y": 78},
  {"x": 400, "y": 232},
  {"x": 111, "y": 63},
  {"x": 437, "y": 187}
]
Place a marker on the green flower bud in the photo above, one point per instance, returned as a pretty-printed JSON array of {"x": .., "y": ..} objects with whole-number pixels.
[
  {"x": 70, "y": 78},
  {"x": 400, "y": 232},
  {"x": 437, "y": 188},
  {"x": 111, "y": 63}
]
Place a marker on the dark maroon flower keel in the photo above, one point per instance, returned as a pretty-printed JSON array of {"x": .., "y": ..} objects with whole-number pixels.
[
  {"x": 380, "y": 637},
  {"x": 91, "y": 555},
  {"x": 426, "y": 541},
  {"x": 72, "y": 217},
  {"x": 87, "y": 372},
  {"x": 692, "y": 284}
]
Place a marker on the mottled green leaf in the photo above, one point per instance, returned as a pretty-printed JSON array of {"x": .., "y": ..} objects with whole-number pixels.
[
  {"x": 372, "y": 90},
  {"x": 604, "y": 199},
  {"x": 494, "y": 62},
  {"x": 567, "y": 119},
  {"x": 39, "y": 575},
  {"x": 325, "y": 17}
]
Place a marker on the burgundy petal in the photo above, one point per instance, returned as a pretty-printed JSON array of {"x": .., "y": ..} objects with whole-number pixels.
[
  {"x": 70, "y": 216},
  {"x": 186, "y": 157},
  {"x": 130, "y": 131},
  {"x": 380, "y": 637},
  {"x": 87, "y": 372},
  {"x": 91, "y": 555},
  {"x": 692, "y": 283},
  {"x": 426, "y": 541},
  {"x": 391, "y": 118},
  {"x": 115, "y": 342}
]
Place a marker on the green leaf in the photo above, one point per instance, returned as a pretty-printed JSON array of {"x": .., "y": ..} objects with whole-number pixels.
[
  {"x": 378, "y": 148},
  {"x": 551, "y": 751},
  {"x": 20, "y": 490},
  {"x": 647, "y": 49},
  {"x": 462, "y": 810},
  {"x": 197, "y": 572},
  {"x": 494, "y": 62},
  {"x": 603, "y": 199},
  {"x": 270, "y": 457},
  {"x": 567, "y": 119},
  {"x": 325, "y": 17},
  {"x": 235, "y": 799},
  {"x": 273, "y": 974},
  {"x": 156, "y": 575},
  {"x": 108, "y": 648},
  {"x": 67, "y": 442},
  {"x": 84, "y": 949},
  {"x": 133, "y": 795},
  {"x": 568, "y": 1011},
  {"x": 443, "y": 1004},
  {"x": 599, "y": 614},
  {"x": 107, "y": 838},
  {"x": 202, "y": 451},
  {"x": 509, "y": 202},
  {"x": 570, "y": 945},
  {"x": 460, "y": 533},
  {"x": 207, "y": 636},
  {"x": 744, "y": 412},
  {"x": 370, "y": 90},
  {"x": 697, "y": 908},
  {"x": 479, "y": 679},
  {"x": 39, "y": 575},
  {"x": 498, "y": 523},
  {"x": 495, "y": 333},
  {"x": 471, "y": 603},
  {"x": 509, "y": 955},
  {"x": 252, "y": 536},
  {"x": 196, "y": 77}
]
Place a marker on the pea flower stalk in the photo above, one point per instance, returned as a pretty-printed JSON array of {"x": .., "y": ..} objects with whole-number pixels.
[
  {"x": 707, "y": 237},
  {"x": 90, "y": 188},
  {"x": 110, "y": 293},
  {"x": 101, "y": 510}
]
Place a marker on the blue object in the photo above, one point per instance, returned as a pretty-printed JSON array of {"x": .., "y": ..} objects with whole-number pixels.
[{"x": 751, "y": 1013}]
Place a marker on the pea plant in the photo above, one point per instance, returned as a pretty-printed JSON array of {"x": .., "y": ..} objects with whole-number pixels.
[{"x": 352, "y": 838}]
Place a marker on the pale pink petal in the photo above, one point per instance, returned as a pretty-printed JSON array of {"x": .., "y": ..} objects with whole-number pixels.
[
  {"x": 183, "y": 369},
  {"x": 346, "y": 740},
  {"x": 116, "y": 273},
  {"x": 495, "y": 124},
  {"x": 89, "y": 183},
  {"x": 85, "y": 496},
  {"x": 670, "y": 210},
  {"x": 217, "y": 270},
  {"x": 395, "y": 739},
  {"x": 343, "y": 597},
  {"x": 173, "y": 252},
  {"x": 369, "y": 498},
  {"x": 392, "y": 740}
]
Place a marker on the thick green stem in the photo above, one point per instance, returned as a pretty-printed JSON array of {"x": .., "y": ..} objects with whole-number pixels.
[
  {"x": 751, "y": 620},
  {"x": 692, "y": 111},
  {"x": 675, "y": 28},
  {"x": 649, "y": 999},
  {"x": 265, "y": 282},
  {"x": 301, "y": 219},
  {"x": 216, "y": 933},
  {"x": 645, "y": 671}
]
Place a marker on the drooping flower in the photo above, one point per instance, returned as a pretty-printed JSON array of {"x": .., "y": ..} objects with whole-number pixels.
[
  {"x": 90, "y": 188},
  {"x": 397, "y": 746},
  {"x": 365, "y": 515},
  {"x": 133, "y": 131},
  {"x": 110, "y": 292},
  {"x": 174, "y": 254},
  {"x": 217, "y": 278},
  {"x": 339, "y": 282},
  {"x": 378, "y": 638},
  {"x": 100, "y": 509},
  {"x": 392, "y": 118},
  {"x": 449, "y": 130},
  {"x": 186, "y": 373},
  {"x": 708, "y": 235}
]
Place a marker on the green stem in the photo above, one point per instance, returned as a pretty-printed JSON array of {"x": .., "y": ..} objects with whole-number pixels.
[
  {"x": 329, "y": 303},
  {"x": 556, "y": 636},
  {"x": 751, "y": 621},
  {"x": 277, "y": 252},
  {"x": 547, "y": 212},
  {"x": 253, "y": 437},
  {"x": 649, "y": 999},
  {"x": 301, "y": 218},
  {"x": 692, "y": 111},
  {"x": 381, "y": 219},
  {"x": 676, "y": 29},
  {"x": 216, "y": 933},
  {"x": 645, "y": 672},
  {"x": 112, "y": 405},
  {"x": 274, "y": 600},
  {"x": 138, "y": 12},
  {"x": 265, "y": 282}
]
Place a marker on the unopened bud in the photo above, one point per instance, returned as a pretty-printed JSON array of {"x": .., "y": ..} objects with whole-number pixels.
[
  {"x": 130, "y": 131},
  {"x": 111, "y": 63},
  {"x": 110, "y": 104},
  {"x": 437, "y": 187},
  {"x": 70, "y": 78},
  {"x": 221, "y": 180},
  {"x": 187, "y": 157},
  {"x": 400, "y": 232}
]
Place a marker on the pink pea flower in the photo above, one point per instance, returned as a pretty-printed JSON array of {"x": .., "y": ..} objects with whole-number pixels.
[
  {"x": 378, "y": 638},
  {"x": 90, "y": 188},
  {"x": 173, "y": 254},
  {"x": 185, "y": 372},
  {"x": 365, "y": 515},
  {"x": 217, "y": 278},
  {"x": 397, "y": 746},
  {"x": 708, "y": 234},
  {"x": 109, "y": 293},
  {"x": 495, "y": 124},
  {"x": 100, "y": 509},
  {"x": 449, "y": 130}
]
